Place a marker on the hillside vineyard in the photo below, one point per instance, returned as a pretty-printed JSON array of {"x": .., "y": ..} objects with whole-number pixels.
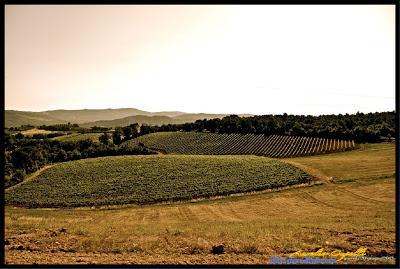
[
  {"x": 152, "y": 179},
  {"x": 276, "y": 146}
]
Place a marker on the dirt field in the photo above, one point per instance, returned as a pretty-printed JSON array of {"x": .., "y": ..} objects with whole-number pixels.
[{"x": 354, "y": 208}]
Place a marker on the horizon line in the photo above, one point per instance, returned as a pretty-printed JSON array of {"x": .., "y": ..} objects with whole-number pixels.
[{"x": 185, "y": 112}]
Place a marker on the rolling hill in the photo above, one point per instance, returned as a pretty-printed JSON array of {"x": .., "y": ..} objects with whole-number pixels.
[
  {"x": 151, "y": 179},
  {"x": 252, "y": 227},
  {"x": 17, "y": 118},
  {"x": 150, "y": 120},
  {"x": 102, "y": 117}
]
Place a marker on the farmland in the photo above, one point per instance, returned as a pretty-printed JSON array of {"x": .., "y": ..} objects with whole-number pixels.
[
  {"x": 151, "y": 179},
  {"x": 275, "y": 146},
  {"x": 356, "y": 210},
  {"x": 33, "y": 131},
  {"x": 75, "y": 137},
  {"x": 375, "y": 161},
  {"x": 201, "y": 136}
]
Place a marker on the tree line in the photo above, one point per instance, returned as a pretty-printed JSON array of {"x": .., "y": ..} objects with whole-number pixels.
[
  {"x": 73, "y": 127},
  {"x": 360, "y": 127},
  {"x": 24, "y": 155}
]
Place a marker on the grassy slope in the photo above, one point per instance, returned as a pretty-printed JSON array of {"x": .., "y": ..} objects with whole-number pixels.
[
  {"x": 77, "y": 137},
  {"x": 345, "y": 216},
  {"x": 151, "y": 179},
  {"x": 372, "y": 161},
  {"x": 17, "y": 118}
]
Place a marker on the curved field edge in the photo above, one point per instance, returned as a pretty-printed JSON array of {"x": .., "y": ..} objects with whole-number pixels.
[
  {"x": 31, "y": 176},
  {"x": 368, "y": 162},
  {"x": 253, "y": 228},
  {"x": 262, "y": 226},
  {"x": 152, "y": 179}
]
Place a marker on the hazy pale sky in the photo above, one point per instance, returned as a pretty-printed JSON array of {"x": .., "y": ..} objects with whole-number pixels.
[{"x": 218, "y": 59}]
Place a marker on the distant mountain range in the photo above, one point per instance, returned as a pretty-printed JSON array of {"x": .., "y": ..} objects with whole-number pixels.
[{"x": 103, "y": 117}]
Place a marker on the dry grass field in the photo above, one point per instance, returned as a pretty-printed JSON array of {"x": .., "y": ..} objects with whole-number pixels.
[
  {"x": 33, "y": 131},
  {"x": 354, "y": 208}
]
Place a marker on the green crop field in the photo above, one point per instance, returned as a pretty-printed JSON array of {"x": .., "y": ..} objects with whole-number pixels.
[
  {"x": 77, "y": 137},
  {"x": 275, "y": 146},
  {"x": 342, "y": 216},
  {"x": 151, "y": 179}
]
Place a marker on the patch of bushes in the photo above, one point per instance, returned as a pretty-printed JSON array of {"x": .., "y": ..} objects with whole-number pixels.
[{"x": 24, "y": 155}]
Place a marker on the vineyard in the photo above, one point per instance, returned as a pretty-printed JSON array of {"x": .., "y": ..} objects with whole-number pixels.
[
  {"x": 275, "y": 146},
  {"x": 151, "y": 179}
]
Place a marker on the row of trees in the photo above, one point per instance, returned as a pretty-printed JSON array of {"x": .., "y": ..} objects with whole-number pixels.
[
  {"x": 21, "y": 128},
  {"x": 371, "y": 127},
  {"x": 122, "y": 134},
  {"x": 73, "y": 127},
  {"x": 24, "y": 155}
]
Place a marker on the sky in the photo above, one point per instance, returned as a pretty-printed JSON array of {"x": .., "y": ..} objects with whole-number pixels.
[{"x": 268, "y": 59}]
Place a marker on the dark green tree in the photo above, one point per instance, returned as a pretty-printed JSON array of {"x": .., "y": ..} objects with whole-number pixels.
[
  {"x": 117, "y": 136},
  {"x": 19, "y": 136},
  {"x": 127, "y": 132},
  {"x": 61, "y": 156},
  {"x": 135, "y": 130},
  {"x": 104, "y": 138}
]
